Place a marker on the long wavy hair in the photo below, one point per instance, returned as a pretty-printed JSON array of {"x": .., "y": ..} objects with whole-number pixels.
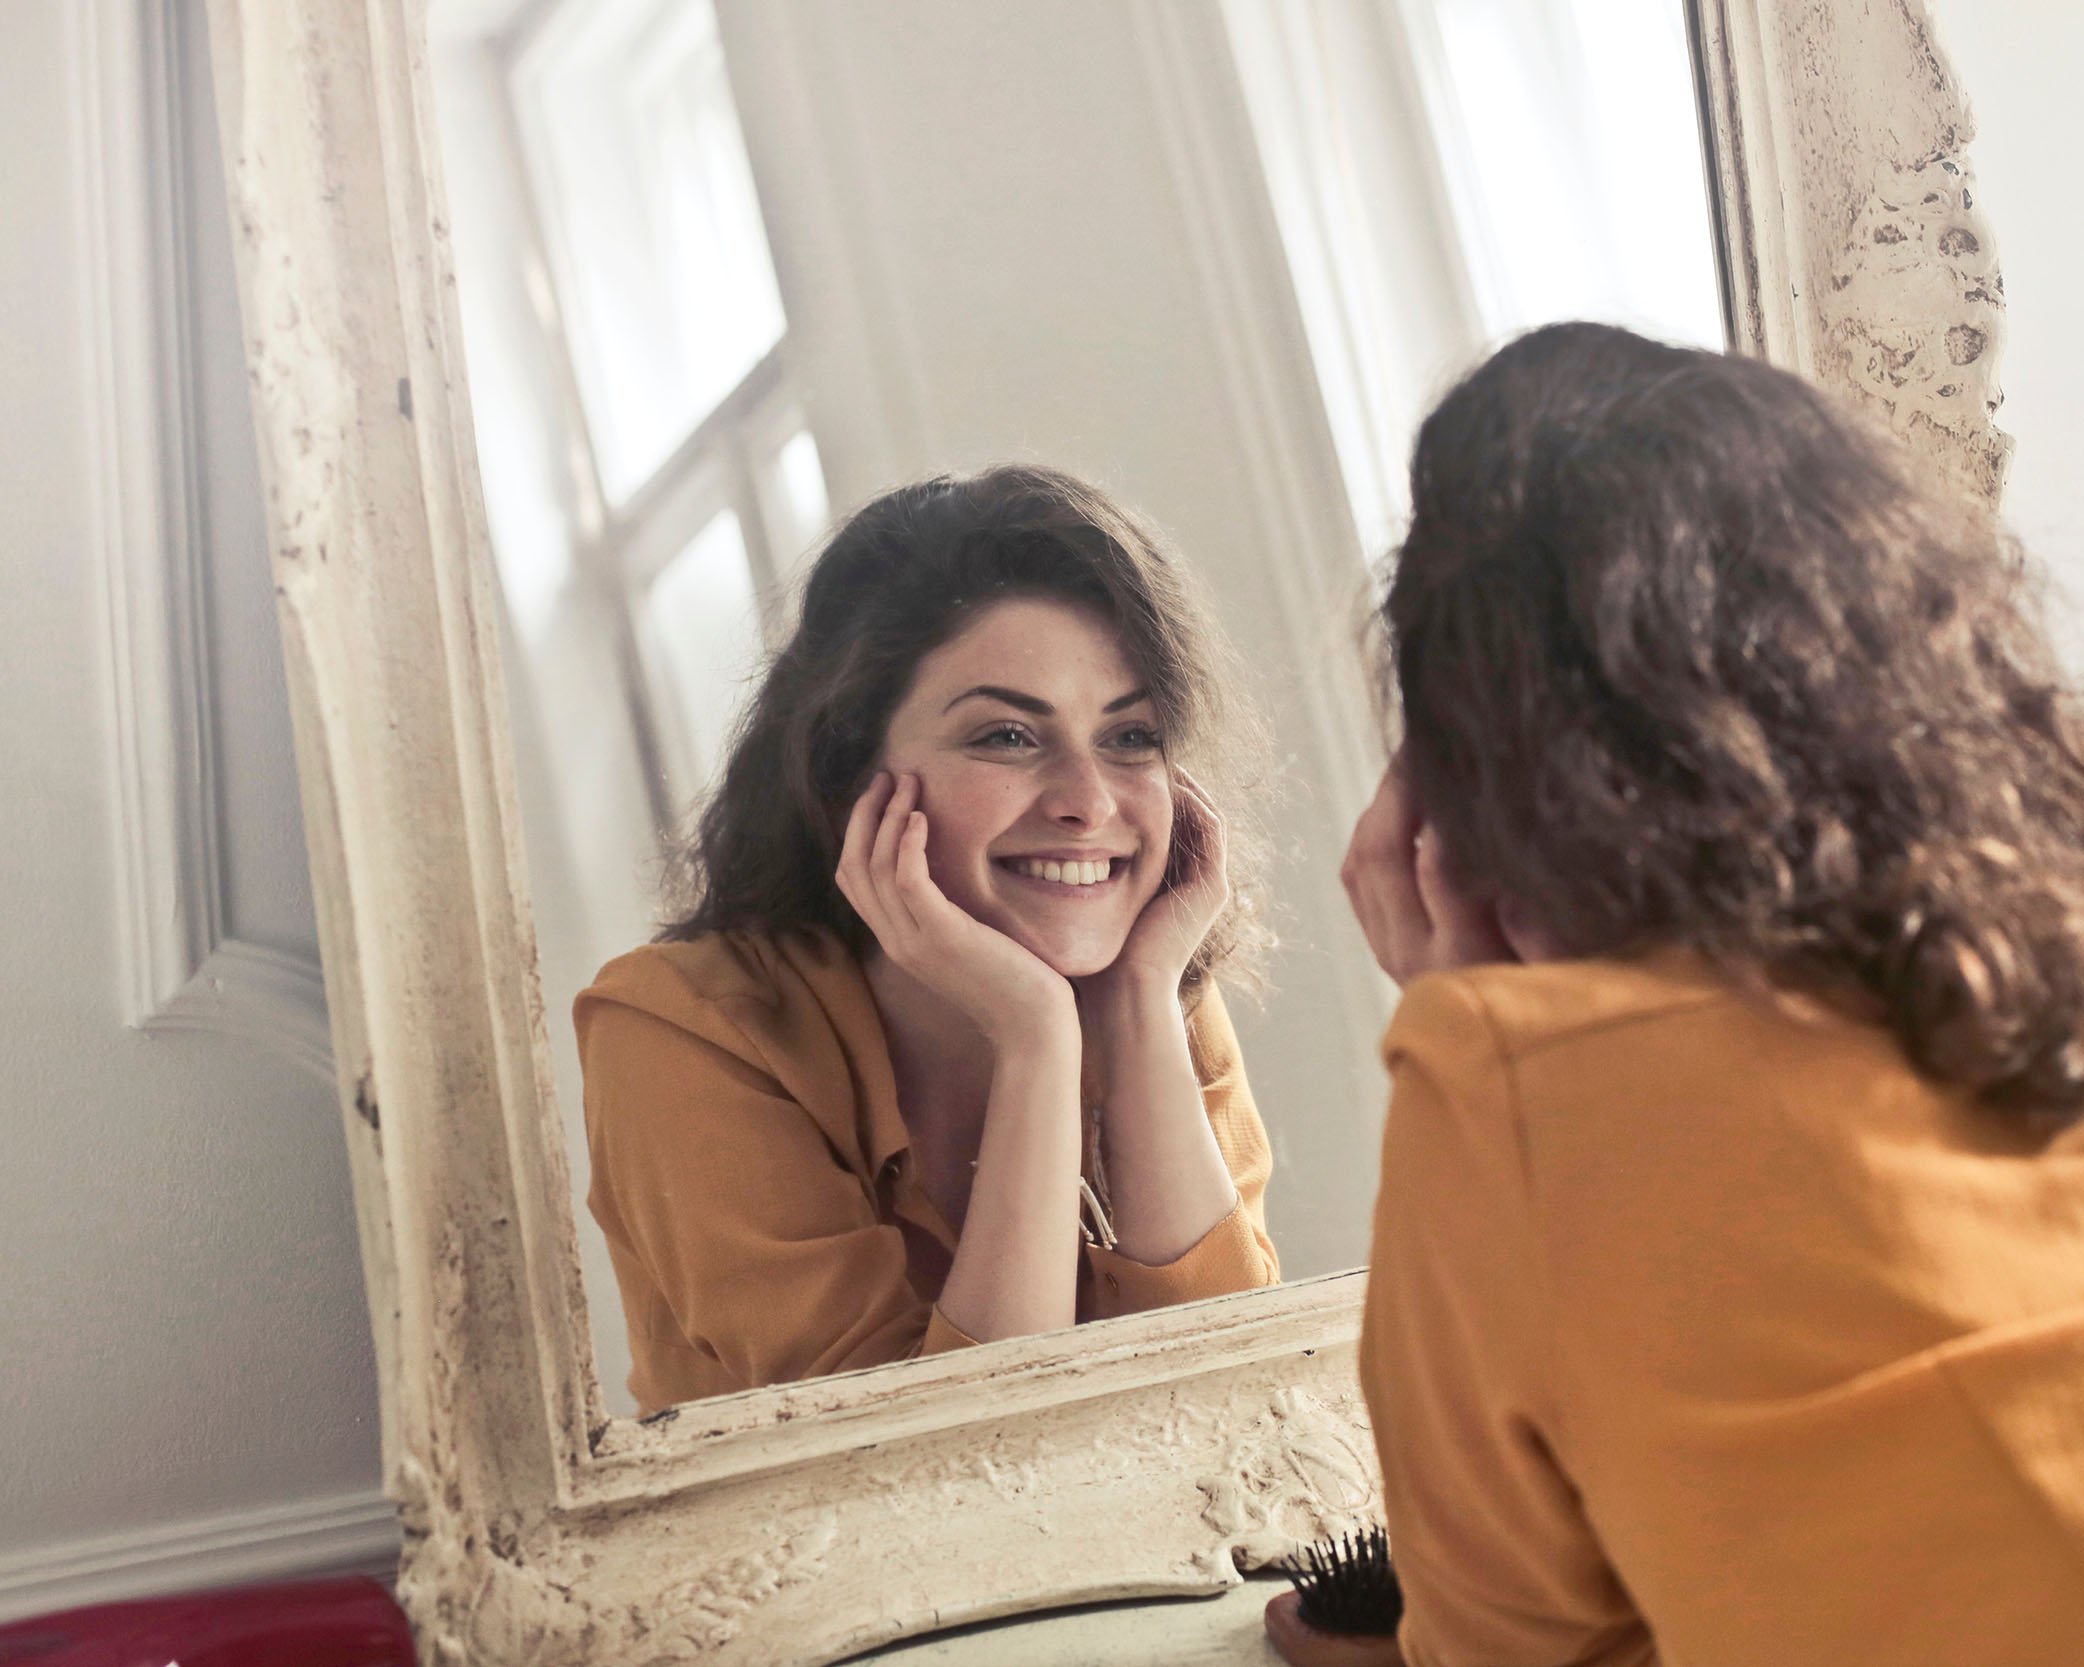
[
  {"x": 1687, "y": 654},
  {"x": 898, "y": 579}
]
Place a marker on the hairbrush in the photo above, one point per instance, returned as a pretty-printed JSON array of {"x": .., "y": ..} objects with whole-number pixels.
[
  {"x": 1347, "y": 1584},
  {"x": 1345, "y": 1605}
]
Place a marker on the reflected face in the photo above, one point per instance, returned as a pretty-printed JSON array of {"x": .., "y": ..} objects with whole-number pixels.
[{"x": 1043, "y": 776}]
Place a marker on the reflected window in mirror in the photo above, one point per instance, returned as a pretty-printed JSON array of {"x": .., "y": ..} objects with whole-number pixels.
[
  {"x": 644, "y": 343},
  {"x": 638, "y": 169},
  {"x": 697, "y": 629}
]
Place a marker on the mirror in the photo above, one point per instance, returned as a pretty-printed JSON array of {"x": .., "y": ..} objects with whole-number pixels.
[
  {"x": 729, "y": 269},
  {"x": 1155, "y": 1454}
]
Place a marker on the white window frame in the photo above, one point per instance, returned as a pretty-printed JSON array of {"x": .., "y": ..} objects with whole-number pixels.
[{"x": 730, "y": 460}]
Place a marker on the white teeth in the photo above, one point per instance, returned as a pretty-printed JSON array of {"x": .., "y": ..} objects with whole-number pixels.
[{"x": 1064, "y": 873}]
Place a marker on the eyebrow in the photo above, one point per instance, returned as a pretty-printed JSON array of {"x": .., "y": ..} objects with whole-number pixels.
[{"x": 1029, "y": 703}]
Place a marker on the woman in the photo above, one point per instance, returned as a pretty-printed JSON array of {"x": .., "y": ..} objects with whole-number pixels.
[
  {"x": 941, "y": 1008},
  {"x": 1727, "y": 1302}
]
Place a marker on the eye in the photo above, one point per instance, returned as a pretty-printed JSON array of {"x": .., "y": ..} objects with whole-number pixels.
[
  {"x": 1138, "y": 738},
  {"x": 1003, "y": 737}
]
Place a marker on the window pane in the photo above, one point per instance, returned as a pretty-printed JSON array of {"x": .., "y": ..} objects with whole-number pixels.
[
  {"x": 648, "y": 206},
  {"x": 698, "y": 629},
  {"x": 797, "y": 507}
]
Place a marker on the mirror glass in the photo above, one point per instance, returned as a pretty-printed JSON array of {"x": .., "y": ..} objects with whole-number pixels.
[{"x": 730, "y": 269}]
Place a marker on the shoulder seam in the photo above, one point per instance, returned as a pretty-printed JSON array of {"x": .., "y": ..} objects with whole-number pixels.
[{"x": 1595, "y": 1027}]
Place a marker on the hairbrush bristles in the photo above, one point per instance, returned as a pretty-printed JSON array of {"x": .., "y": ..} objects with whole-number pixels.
[{"x": 1347, "y": 1584}]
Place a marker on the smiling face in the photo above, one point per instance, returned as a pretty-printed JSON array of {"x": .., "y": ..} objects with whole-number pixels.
[{"x": 1043, "y": 777}]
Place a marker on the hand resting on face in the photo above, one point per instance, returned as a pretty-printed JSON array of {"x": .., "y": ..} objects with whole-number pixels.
[
  {"x": 1002, "y": 988},
  {"x": 1415, "y": 916}
]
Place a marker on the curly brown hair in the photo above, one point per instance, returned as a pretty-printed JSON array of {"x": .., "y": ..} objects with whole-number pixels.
[
  {"x": 1688, "y": 654},
  {"x": 899, "y": 578}
]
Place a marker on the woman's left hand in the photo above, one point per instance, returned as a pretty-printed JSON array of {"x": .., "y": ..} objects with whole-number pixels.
[{"x": 1196, "y": 887}]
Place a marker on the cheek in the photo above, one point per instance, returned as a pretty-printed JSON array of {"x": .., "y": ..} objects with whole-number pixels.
[
  {"x": 1148, "y": 809},
  {"x": 967, "y": 807}
]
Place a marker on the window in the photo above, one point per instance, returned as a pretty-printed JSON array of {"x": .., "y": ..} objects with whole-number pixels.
[
  {"x": 654, "y": 233},
  {"x": 654, "y": 368},
  {"x": 698, "y": 634}
]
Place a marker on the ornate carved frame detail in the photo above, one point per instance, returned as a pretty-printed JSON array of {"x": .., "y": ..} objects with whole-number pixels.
[{"x": 1142, "y": 1456}]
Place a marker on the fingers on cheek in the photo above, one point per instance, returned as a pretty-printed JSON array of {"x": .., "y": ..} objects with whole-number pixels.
[
  {"x": 914, "y": 876},
  {"x": 1457, "y": 913},
  {"x": 1374, "y": 836},
  {"x": 1425, "y": 868}
]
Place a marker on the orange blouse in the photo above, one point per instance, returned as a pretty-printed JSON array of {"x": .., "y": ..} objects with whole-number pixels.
[
  {"x": 753, "y": 1177},
  {"x": 1703, "y": 1332}
]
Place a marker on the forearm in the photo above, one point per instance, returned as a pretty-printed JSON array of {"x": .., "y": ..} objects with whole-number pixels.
[
  {"x": 1166, "y": 1178},
  {"x": 1016, "y": 1266}
]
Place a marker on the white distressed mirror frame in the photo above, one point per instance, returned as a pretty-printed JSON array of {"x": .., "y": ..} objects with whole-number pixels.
[{"x": 1143, "y": 1456}]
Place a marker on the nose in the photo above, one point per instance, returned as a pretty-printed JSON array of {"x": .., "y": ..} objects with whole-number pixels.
[{"x": 1075, "y": 793}]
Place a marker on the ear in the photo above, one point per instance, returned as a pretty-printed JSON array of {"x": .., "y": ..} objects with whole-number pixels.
[{"x": 1530, "y": 940}]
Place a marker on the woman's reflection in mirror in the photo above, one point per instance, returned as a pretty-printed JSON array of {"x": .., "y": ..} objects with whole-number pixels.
[
  {"x": 934, "y": 1054},
  {"x": 1727, "y": 1298}
]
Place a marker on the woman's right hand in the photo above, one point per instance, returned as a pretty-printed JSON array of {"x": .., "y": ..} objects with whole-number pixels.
[
  {"x": 1415, "y": 918},
  {"x": 1007, "y": 991}
]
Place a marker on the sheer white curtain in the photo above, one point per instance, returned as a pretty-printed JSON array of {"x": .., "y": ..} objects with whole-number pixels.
[{"x": 1446, "y": 173}]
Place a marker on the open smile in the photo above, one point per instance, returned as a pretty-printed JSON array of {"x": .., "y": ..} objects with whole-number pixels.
[{"x": 1086, "y": 876}]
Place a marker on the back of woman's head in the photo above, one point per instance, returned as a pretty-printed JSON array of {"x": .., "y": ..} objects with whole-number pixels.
[
  {"x": 899, "y": 578},
  {"x": 1688, "y": 655}
]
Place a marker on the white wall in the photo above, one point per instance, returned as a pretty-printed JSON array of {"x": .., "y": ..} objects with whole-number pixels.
[
  {"x": 186, "y": 1390},
  {"x": 186, "y": 1386},
  {"x": 2019, "y": 61}
]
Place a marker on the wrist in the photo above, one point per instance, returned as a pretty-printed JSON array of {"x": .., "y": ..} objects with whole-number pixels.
[
  {"x": 1128, "y": 994},
  {"x": 1122, "y": 1018},
  {"x": 1034, "y": 1029}
]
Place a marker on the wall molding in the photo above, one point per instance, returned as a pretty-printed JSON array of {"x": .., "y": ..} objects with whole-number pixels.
[
  {"x": 340, "y": 1534},
  {"x": 181, "y": 967},
  {"x": 260, "y": 996}
]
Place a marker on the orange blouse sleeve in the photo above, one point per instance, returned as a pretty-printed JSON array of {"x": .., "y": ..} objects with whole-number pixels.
[
  {"x": 747, "y": 1253},
  {"x": 1235, "y": 1254}
]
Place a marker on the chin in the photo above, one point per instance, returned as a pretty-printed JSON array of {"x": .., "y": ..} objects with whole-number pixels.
[
  {"x": 1080, "y": 965},
  {"x": 1069, "y": 957}
]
